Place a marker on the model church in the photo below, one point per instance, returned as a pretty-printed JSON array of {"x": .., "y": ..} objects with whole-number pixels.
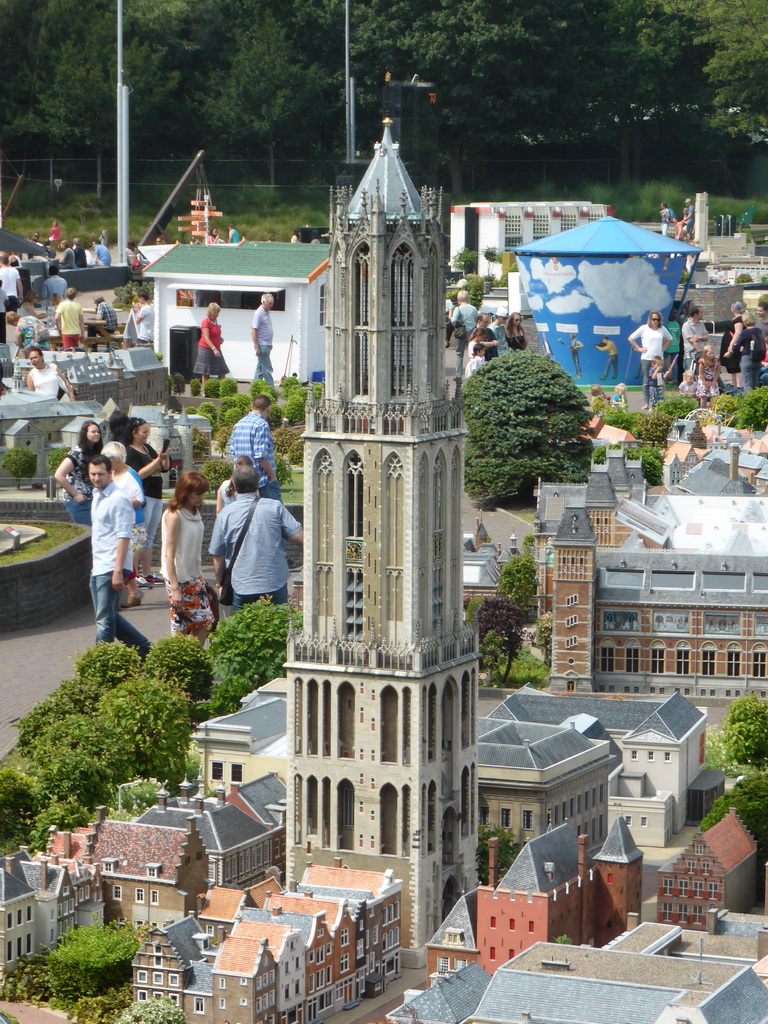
[{"x": 383, "y": 677}]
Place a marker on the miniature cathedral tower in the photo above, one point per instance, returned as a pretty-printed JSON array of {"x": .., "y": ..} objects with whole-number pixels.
[{"x": 383, "y": 678}]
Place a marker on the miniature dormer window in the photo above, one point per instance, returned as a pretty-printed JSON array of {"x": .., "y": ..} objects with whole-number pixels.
[
  {"x": 153, "y": 870},
  {"x": 698, "y": 849},
  {"x": 549, "y": 868},
  {"x": 109, "y": 863}
]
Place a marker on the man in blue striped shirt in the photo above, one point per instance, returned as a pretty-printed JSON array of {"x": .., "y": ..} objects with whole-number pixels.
[{"x": 253, "y": 437}]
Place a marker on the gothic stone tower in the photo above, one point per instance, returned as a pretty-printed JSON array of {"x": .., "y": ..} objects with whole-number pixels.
[{"x": 383, "y": 678}]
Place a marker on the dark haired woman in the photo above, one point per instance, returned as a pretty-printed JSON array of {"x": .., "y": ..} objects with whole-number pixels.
[
  {"x": 517, "y": 339},
  {"x": 72, "y": 474},
  {"x": 183, "y": 529},
  {"x": 149, "y": 465}
]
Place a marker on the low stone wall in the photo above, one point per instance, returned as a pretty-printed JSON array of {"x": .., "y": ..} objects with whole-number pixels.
[{"x": 39, "y": 591}]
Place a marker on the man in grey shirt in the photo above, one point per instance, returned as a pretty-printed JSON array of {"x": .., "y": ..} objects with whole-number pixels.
[
  {"x": 467, "y": 314},
  {"x": 262, "y": 336},
  {"x": 261, "y": 567}
]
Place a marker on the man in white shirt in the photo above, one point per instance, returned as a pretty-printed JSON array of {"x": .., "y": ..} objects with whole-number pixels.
[
  {"x": 112, "y": 519},
  {"x": 695, "y": 336},
  {"x": 10, "y": 282},
  {"x": 262, "y": 335},
  {"x": 144, "y": 314}
]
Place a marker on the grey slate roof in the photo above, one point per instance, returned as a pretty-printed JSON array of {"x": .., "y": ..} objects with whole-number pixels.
[
  {"x": 180, "y": 936},
  {"x": 11, "y": 887},
  {"x": 600, "y": 488},
  {"x": 563, "y": 997},
  {"x": 745, "y": 999},
  {"x": 268, "y": 789},
  {"x": 575, "y": 527},
  {"x": 264, "y": 715},
  {"x": 200, "y": 978},
  {"x": 505, "y": 745},
  {"x": 708, "y": 478},
  {"x": 626, "y": 716},
  {"x": 302, "y": 923},
  {"x": 619, "y": 846},
  {"x": 221, "y": 828},
  {"x": 462, "y": 918},
  {"x": 559, "y": 847},
  {"x": 387, "y": 177},
  {"x": 449, "y": 1001}
]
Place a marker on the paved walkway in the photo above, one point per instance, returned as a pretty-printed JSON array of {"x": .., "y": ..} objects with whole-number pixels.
[{"x": 29, "y": 1014}]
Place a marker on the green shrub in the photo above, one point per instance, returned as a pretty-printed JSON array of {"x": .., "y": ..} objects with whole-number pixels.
[
  {"x": 260, "y": 387},
  {"x": 107, "y": 665},
  {"x": 212, "y": 387},
  {"x": 294, "y": 406},
  {"x": 744, "y": 279},
  {"x": 599, "y": 455},
  {"x": 678, "y": 406},
  {"x": 228, "y": 402},
  {"x": 227, "y": 387},
  {"x": 216, "y": 471},
  {"x": 753, "y": 410},
  {"x": 181, "y": 660},
  {"x": 211, "y": 413},
  {"x": 526, "y": 668},
  {"x": 179, "y": 384},
  {"x": 317, "y": 390},
  {"x": 622, "y": 419},
  {"x": 89, "y": 961},
  {"x": 194, "y": 387},
  {"x": 276, "y": 415},
  {"x": 20, "y": 463},
  {"x": 104, "y": 1009},
  {"x": 29, "y": 981},
  {"x": 231, "y": 417},
  {"x": 223, "y": 434},
  {"x": 200, "y": 445},
  {"x": 727, "y": 406},
  {"x": 153, "y": 1011},
  {"x": 55, "y": 459},
  {"x": 654, "y": 428},
  {"x": 283, "y": 470},
  {"x": 290, "y": 384},
  {"x": 248, "y": 649},
  {"x": 289, "y": 444},
  {"x": 652, "y": 464},
  {"x": 472, "y": 607},
  {"x": 476, "y": 289}
]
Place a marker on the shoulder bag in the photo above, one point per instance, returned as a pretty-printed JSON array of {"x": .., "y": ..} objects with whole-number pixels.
[{"x": 227, "y": 595}]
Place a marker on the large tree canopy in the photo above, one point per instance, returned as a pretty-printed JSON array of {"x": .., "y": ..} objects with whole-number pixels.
[{"x": 526, "y": 419}]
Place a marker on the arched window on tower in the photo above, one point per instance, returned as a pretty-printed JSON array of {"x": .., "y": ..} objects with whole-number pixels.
[
  {"x": 353, "y": 623},
  {"x": 394, "y": 532},
  {"x": 438, "y": 545},
  {"x": 324, "y": 521},
  {"x": 402, "y": 320},
  {"x": 361, "y": 299},
  {"x": 388, "y": 819},
  {"x": 345, "y": 811}
]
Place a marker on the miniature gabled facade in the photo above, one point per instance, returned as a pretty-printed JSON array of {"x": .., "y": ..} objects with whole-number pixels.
[
  {"x": 717, "y": 870},
  {"x": 383, "y": 679}
]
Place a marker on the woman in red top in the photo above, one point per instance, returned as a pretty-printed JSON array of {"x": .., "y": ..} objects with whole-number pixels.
[{"x": 210, "y": 361}]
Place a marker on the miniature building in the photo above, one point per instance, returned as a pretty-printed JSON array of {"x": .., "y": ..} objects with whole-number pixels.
[
  {"x": 717, "y": 870},
  {"x": 550, "y": 890},
  {"x": 382, "y": 681}
]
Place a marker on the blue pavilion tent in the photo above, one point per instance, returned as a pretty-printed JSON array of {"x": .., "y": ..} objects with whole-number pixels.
[{"x": 607, "y": 237}]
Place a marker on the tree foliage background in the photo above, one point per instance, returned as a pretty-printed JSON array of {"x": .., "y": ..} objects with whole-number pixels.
[{"x": 246, "y": 81}]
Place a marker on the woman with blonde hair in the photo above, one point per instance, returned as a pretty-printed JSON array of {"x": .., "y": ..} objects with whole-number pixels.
[
  {"x": 191, "y": 611},
  {"x": 210, "y": 361},
  {"x": 129, "y": 482}
]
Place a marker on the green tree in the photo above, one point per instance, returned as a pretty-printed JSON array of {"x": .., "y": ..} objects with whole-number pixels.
[
  {"x": 20, "y": 463},
  {"x": 66, "y": 814},
  {"x": 465, "y": 260},
  {"x": 653, "y": 428},
  {"x": 750, "y": 798},
  {"x": 153, "y": 1011},
  {"x": 526, "y": 420},
  {"x": 80, "y": 758},
  {"x": 216, "y": 471},
  {"x": 502, "y": 618},
  {"x": 181, "y": 661},
  {"x": 152, "y": 718},
  {"x": 17, "y": 808},
  {"x": 508, "y": 850},
  {"x": 248, "y": 649},
  {"x": 518, "y": 581},
  {"x": 652, "y": 464},
  {"x": 745, "y": 731},
  {"x": 753, "y": 410},
  {"x": 89, "y": 961},
  {"x": 543, "y": 635}
]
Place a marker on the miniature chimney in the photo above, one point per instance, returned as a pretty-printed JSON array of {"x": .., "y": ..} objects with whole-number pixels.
[
  {"x": 234, "y": 788},
  {"x": 9, "y": 863},
  {"x": 493, "y": 861},
  {"x": 734, "y": 472},
  {"x": 66, "y": 844},
  {"x": 337, "y": 862},
  {"x": 277, "y": 911}
]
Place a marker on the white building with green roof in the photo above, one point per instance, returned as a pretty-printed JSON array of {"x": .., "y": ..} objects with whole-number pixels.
[{"x": 190, "y": 276}]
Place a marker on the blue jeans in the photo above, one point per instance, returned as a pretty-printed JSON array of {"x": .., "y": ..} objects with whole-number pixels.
[
  {"x": 264, "y": 365},
  {"x": 110, "y": 625},
  {"x": 750, "y": 374},
  {"x": 271, "y": 489},
  {"x": 278, "y": 597},
  {"x": 645, "y": 369},
  {"x": 460, "y": 349},
  {"x": 79, "y": 511}
]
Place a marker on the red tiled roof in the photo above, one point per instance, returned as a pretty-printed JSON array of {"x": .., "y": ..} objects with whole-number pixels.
[
  {"x": 729, "y": 840},
  {"x": 343, "y": 878},
  {"x": 239, "y": 954},
  {"x": 134, "y": 845},
  {"x": 298, "y": 903},
  {"x": 260, "y": 890},
  {"x": 221, "y": 903}
]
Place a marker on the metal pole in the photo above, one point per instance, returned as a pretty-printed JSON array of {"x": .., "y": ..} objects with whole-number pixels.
[
  {"x": 352, "y": 117},
  {"x": 125, "y": 171},
  {"x": 348, "y": 84},
  {"x": 122, "y": 226}
]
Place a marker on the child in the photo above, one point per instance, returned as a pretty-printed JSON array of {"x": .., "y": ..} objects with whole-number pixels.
[
  {"x": 599, "y": 399},
  {"x": 656, "y": 380},
  {"x": 619, "y": 397},
  {"x": 688, "y": 385},
  {"x": 709, "y": 370}
]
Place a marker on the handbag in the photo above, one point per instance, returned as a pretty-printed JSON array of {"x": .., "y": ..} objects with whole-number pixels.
[
  {"x": 459, "y": 329},
  {"x": 213, "y": 601},
  {"x": 227, "y": 593}
]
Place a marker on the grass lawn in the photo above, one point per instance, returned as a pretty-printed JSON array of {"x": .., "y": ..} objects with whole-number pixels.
[
  {"x": 56, "y": 535},
  {"x": 293, "y": 493}
]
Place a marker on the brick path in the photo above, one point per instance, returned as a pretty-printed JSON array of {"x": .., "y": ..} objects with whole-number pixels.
[{"x": 29, "y": 1014}]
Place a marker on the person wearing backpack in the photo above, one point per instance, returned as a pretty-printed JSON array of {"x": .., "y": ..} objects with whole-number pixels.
[
  {"x": 667, "y": 216},
  {"x": 464, "y": 321},
  {"x": 749, "y": 346}
]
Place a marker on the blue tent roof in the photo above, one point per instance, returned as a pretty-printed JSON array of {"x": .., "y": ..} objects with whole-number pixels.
[{"x": 607, "y": 237}]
